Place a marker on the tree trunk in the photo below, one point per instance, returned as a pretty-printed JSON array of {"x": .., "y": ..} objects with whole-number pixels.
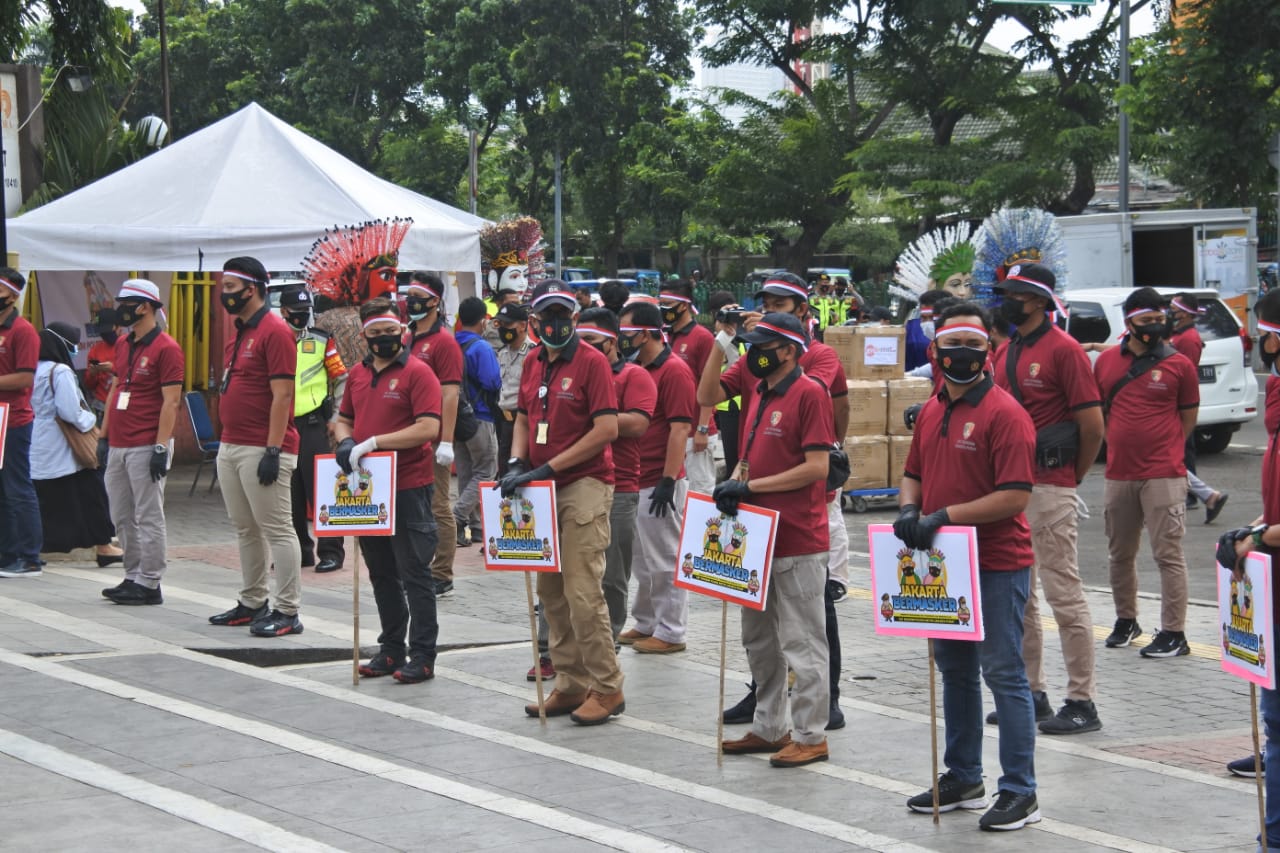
[{"x": 801, "y": 252}]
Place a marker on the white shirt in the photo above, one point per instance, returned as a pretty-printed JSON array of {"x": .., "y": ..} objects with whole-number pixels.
[{"x": 50, "y": 454}]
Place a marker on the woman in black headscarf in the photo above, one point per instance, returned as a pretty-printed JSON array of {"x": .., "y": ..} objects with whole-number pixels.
[{"x": 73, "y": 501}]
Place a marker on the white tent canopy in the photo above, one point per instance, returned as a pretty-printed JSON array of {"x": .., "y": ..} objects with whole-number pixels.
[{"x": 249, "y": 184}]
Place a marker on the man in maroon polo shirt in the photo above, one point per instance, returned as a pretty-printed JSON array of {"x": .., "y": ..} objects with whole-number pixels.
[
  {"x": 1184, "y": 311},
  {"x": 21, "y": 535},
  {"x": 1149, "y": 417},
  {"x": 637, "y": 399},
  {"x": 691, "y": 342},
  {"x": 786, "y": 293},
  {"x": 1048, "y": 373},
  {"x": 392, "y": 402},
  {"x": 784, "y": 467},
  {"x": 660, "y": 609},
  {"x": 259, "y": 452},
  {"x": 434, "y": 344},
  {"x": 567, "y": 418},
  {"x": 972, "y": 462},
  {"x": 142, "y": 408}
]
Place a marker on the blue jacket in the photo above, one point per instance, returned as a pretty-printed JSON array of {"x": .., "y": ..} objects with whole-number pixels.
[{"x": 484, "y": 377}]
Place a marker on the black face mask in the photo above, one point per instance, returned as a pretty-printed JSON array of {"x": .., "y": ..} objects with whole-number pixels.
[
  {"x": 420, "y": 306},
  {"x": 234, "y": 303},
  {"x": 1150, "y": 334},
  {"x": 962, "y": 365},
  {"x": 627, "y": 345},
  {"x": 126, "y": 314},
  {"x": 1013, "y": 311},
  {"x": 508, "y": 336},
  {"x": 671, "y": 315},
  {"x": 762, "y": 362},
  {"x": 556, "y": 330},
  {"x": 385, "y": 346},
  {"x": 297, "y": 321},
  {"x": 600, "y": 347},
  {"x": 1268, "y": 358},
  {"x": 108, "y": 336},
  {"x": 6, "y": 304}
]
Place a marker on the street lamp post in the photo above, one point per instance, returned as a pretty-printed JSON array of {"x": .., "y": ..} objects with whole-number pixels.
[{"x": 1122, "y": 200}]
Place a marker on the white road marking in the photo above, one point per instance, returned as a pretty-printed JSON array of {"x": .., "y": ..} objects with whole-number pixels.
[{"x": 249, "y": 829}]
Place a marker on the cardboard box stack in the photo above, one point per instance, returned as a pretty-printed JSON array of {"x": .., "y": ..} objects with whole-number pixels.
[{"x": 877, "y": 440}]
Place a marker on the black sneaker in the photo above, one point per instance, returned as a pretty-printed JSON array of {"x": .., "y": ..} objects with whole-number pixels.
[
  {"x": 443, "y": 588},
  {"x": 1011, "y": 811},
  {"x": 1167, "y": 644},
  {"x": 1125, "y": 632},
  {"x": 1076, "y": 716},
  {"x": 1246, "y": 767},
  {"x": 240, "y": 615},
  {"x": 21, "y": 569},
  {"x": 837, "y": 591},
  {"x": 107, "y": 593},
  {"x": 414, "y": 671},
  {"x": 743, "y": 712},
  {"x": 835, "y": 717},
  {"x": 1044, "y": 710},
  {"x": 276, "y": 624},
  {"x": 133, "y": 593},
  {"x": 380, "y": 665},
  {"x": 952, "y": 794}
]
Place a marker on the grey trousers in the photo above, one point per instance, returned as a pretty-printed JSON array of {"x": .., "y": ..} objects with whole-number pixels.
[
  {"x": 137, "y": 511},
  {"x": 617, "y": 557},
  {"x": 476, "y": 460},
  {"x": 791, "y": 633},
  {"x": 660, "y": 608}
]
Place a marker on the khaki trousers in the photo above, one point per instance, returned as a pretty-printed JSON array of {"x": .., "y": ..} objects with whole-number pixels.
[
  {"x": 442, "y": 509},
  {"x": 1052, "y": 516},
  {"x": 791, "y": 633},
  {"x": 579, "y": 636},
  {"x": 263, "y": 518},
  {"x": 1160, "y": 506}
]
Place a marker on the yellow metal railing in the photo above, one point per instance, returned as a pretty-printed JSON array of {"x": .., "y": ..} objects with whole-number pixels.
[
  {"x": 31, "y": 304},
  {"x": 190, "y": 315}
]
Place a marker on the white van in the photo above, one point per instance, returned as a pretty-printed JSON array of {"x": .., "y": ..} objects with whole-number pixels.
[{"x": 1228, "y": 388}]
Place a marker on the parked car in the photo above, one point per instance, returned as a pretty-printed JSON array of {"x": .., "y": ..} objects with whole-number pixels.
[
  {"x": 644, "y": 277},
  {"x": 1228, "y": 387}
]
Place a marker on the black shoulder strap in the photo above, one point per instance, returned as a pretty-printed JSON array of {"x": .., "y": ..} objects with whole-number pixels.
[
  {"x": 1011, "y": 368},
  {"x": 1140, "y": 365}
]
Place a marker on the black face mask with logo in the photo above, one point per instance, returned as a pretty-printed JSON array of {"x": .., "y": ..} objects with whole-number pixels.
[
  {"x": 508, "y": 336},
  {"x": 763, "y": 362},
  {"x": 236, "y": 302},
  {"x": 1150, "y": 334},
  {"x": 126, "y": 314},
  {"x": 556, "y": 330},
  {"x": 962, "y": 365},
  {"x": 385, "y": 346},
  {"x": 1013, "y": 311}
]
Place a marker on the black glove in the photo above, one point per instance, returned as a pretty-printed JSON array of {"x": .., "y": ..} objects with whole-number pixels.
[
  {"x": 729, "y": 494},
  {"x": 910, "y": 413},
  {"x": 159, "y": 463},
  {"x": 1226, "y": 553},
  {"x": 269, "y": 466},
  {"x": 663, "y": 498},
  {"x": 344, "y": 454},
  {"x": 517, "y": 477},
  {"x": 907, "y": 516},
  {"x": 923, "y": 530},
  {"x": 103, "y": 450}
]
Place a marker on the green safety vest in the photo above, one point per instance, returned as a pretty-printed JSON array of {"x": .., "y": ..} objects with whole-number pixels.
[
  {"x": 311, "y": 381},
  {"x": 829, "y": 310},
  {"x": 723, "y": 405}
]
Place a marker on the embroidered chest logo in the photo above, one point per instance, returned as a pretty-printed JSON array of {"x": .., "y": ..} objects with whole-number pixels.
[
  {"x": 775, "y": 418},
  {"x": 1035, "y": 370},
  {"x": 1155, "y": 376},
  {"x": 565, "y": 383},
  {"x": 391, "y": 386}
]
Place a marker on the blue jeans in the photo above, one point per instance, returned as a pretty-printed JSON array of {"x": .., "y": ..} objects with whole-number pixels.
[
  {"x": 998, "y": 659},
  {"x": 21, "y": 535},
  {"x": 1270, "y": 706}
]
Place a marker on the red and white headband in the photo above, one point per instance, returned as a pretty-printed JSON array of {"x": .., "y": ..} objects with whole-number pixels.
[
  {"x": 17, "y": 291},
  {"x": 786, "y": 285},
  {"x": 789, "y": 335},
  {"x": 652, "y": 329},
  {"x": 962, "y": 327},
  {"x": 417, "y": 285},
  {"x": 245, "y": 277},
  {"x": 596, "y": 330},
  {"x": 1136, "y": 311},
  {"x": 1268, "y": 327},
  {"x": 675, "y": 297},
  {"x": 381, "y": 318},
  {"x": 1182, "y": 306}
]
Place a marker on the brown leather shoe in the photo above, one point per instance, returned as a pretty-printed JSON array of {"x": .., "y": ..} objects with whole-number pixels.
[
  {"x": 558, "y": 704},
  {"x": 800, "y": 754},
  {"x": 630, "y": 635},
  {"x": 598, "y": 708},
  {"x": 654, "y": 646},
  {"x": 754, "y": 743}
]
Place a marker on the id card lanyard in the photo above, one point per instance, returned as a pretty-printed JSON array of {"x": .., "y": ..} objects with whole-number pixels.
[
  {"x": 542, "y": 433},
  {"x": 122, "y": 396}
]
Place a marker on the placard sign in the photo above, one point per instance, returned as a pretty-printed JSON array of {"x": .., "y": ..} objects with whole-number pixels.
[
  {"x": 362, "y": 503},
  {"x": 520, "y": 533},
  {"x": 1244, "y": 612},
  {"x": 4, "y": 429},
  {"x": 929, "y": 593},
  {"x": 726, "y": 556}
]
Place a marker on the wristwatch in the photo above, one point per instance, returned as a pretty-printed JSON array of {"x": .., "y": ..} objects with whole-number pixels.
[
  {"x": 1258, "y": 533},
  {"x": 273, "y": 451},
  {"x": 703, "y": 429},
  {"x": 160, "y": 448},
  {"x": 515, "y": 460}
]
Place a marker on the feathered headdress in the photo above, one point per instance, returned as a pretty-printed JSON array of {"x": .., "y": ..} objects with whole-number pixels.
[
  {"x": 932, "y": 259},
  {"x": 512, "y": 241},
  {"x": 1014, "y": 235},
  {"x": 340, "y": 263}
]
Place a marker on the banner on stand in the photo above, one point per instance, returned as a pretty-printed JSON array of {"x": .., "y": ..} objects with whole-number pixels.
[
  {"x": 726, "y": 556},
  {"x": 362, "y": 503},
  {"x": 929, "y": 593},
  {"x": 520, "y": 533},
  {"x": 1244, "y": 613}
]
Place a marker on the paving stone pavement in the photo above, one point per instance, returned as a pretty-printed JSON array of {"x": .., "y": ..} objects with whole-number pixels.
[{"x": 145, "y": 728}]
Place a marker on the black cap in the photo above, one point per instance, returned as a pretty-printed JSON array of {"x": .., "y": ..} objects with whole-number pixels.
[
  {"x": 295, "y": 298},
  {"x": 1036, "y": 279},
  {"x": 784, "y": 284},
  {"x": 553, "y": 291},
  {"x": 777, "y": 326},
  {"x": 512, "y": 313}
]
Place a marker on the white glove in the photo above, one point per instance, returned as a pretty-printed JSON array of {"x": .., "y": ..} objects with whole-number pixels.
[
  {"x": 1082, "y": 508},
  {"x": 369, "y": 445},
  {"x": 444, "y": 453}
]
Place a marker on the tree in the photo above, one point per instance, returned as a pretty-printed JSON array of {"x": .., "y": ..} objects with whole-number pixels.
[{"x": 1207, "y": 90}]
